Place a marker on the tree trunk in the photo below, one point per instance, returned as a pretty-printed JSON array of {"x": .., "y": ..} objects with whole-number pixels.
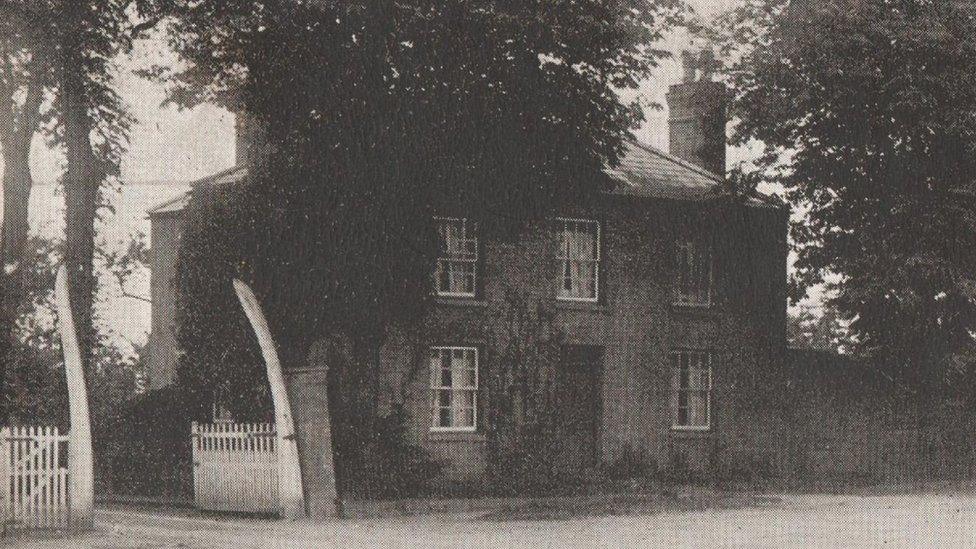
[
  {"x": 16, "y": 143},
  {"x": 82, "y": 178}
]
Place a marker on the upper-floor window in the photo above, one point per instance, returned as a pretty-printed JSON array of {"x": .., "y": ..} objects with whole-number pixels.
[
  {"x": 692, "y": 389},
  {"x": 457, "y": 262},
  {"x": 454, "y": 384},
  {"x": 695, "y": 283},
  {"x": 578, "y": 258}
]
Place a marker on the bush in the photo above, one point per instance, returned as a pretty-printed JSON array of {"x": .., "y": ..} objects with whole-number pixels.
[
  {"x": 399, "y": 468},
  {"x": 728, "y": 466},
  {"x": 529, "y": 465},
  {"x": 679, "y": 469},
  {"x": 149, "y": 452},
  {"x": 630, "y": 464}
]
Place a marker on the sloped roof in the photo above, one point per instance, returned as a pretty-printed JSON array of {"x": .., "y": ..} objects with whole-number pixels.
[
  {"x": 646, "y": 171},
  {"x": 175, "y": 204},
  {"x": 178, "y": 203},
  {"x": 643, "y": 172}
]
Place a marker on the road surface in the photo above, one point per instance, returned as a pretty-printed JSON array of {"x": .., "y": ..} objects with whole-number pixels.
[{"x": 908, "y": 521}]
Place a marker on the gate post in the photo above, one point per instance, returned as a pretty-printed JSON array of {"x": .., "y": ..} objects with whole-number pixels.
[
  {"x": 289, "y": 470},
  {"x": 80, "y": 467},
  {"x": 308, "y": 391},
  {"x": 4, "y": 478}
]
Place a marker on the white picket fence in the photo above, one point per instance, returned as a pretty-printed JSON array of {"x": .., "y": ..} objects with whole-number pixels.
[
  {"x": 235, "y": 467},
  {"x": 34, "y": 477}
]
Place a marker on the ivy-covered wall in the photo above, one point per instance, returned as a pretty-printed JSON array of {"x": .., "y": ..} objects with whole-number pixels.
[{"x": 518, "y": 326}]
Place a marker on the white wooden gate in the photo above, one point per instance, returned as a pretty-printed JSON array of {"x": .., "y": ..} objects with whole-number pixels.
[
  {"x": 235, "y": 467},
  {"x": 34, "y": 473}
]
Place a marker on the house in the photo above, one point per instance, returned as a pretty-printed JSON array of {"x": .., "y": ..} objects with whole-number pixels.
[{"x": 668, "y": 298}]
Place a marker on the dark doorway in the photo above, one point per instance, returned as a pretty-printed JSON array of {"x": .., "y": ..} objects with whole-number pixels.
[{"x": 578, "y": 390}]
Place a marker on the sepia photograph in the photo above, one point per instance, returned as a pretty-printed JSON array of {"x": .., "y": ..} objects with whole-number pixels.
[{"x": 487, "y": 274}]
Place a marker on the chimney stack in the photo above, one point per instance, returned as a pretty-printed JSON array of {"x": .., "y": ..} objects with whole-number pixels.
[
  {"x": 696, "y": 124},
  {"x": 251, "y": 139}
]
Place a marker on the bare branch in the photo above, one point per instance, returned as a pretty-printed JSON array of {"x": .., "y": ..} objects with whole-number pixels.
[{"x": 144, "y": 299}]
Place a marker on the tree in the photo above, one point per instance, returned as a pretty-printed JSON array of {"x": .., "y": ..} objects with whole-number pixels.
[
  {"x": 35, "y": 378},
  {"x": 94, "y": 134},
  {"x": 24, "y": 75},
  {"x": 876, "y": 142},
  {"x": 865, "y": 113},
  {"x": 383, "y": 115},
  {"x": 825, "y": 331},
  {"x": 68, "y": 48}
]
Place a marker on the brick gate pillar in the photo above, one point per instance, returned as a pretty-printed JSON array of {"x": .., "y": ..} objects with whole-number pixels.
[{"x": 307, "y": 390}]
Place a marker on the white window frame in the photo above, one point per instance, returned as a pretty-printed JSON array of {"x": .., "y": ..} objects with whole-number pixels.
[
  {"x": 709, "y": 358},
  {"x": 436, "y": 388},
  {"x": 467, "y": 226},
  {"x": 562, "y": 257},
  {"x": 683, "y": 248}
]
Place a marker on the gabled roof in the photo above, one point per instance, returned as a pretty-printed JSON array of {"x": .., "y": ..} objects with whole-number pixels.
[
  {"x": 646, "y": 171},
  {"x": 643, "y": 171},
  {"x": 178, "y": 203}
]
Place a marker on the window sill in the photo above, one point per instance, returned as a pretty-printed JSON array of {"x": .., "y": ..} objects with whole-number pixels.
[
  {"x": 455, "y": 436},
  {"x": 579, "y": 305},
  {"x": 460, "y": 301},
  {"x": 691, "y": 432}
]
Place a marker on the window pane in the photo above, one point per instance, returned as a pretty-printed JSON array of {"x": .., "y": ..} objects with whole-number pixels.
[
  {"x": 468, "y": 378},
  {"x": 692, "y": 388},
  {"x": 464, "y": 417},
  {"x": 455, "y": 269},
  {"x": 442, "y": 278},
  {"x": 578, "y": 254},
  {"x": 455, "y": 387},
  {"x": 435, "y": 369},
  {"x": 469, "y": 417},
  {"x": 708, "y": 408},
  {"x": 698, "y": 408},
  {"x": 694, "y": 277},
  {"x": 465, "y": 398}
]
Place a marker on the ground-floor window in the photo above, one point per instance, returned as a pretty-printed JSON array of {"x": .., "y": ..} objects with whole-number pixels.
[
  {"x": 454, "y": 384},
  {"x": 692, "y": 389}
]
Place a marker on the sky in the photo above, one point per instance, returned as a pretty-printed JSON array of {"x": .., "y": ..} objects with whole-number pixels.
[{"x": 171, "y": 147}]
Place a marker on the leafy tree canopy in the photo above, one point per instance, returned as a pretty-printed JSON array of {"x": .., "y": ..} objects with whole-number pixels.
[
  {"x": 866, "y": 111},
  {"x": 381, "y": 115}
]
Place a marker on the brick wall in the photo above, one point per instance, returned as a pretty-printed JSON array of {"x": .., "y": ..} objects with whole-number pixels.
[
  {"x": 635, "y": 325},
  {"x": 166, "y": 230},
  {"x": 848, "y": 420}
]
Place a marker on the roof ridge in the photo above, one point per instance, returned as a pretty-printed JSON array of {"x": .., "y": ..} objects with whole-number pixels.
[
  {"x": 681, "y": 162},
  {"x": 168, "y": 202},
  {"x": 217, "y": 175},
  {"x": 193, "y": 185}
]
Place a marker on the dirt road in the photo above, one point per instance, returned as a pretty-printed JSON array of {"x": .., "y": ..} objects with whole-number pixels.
[{"x": 908, "y": 521}]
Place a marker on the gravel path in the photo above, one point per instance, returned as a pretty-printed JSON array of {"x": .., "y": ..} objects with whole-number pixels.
[{"x": 908, "y": 521}]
